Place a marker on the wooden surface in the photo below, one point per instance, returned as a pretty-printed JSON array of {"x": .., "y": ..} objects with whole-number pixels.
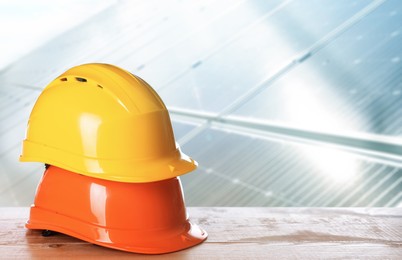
[{"x": 238, "y": 233}]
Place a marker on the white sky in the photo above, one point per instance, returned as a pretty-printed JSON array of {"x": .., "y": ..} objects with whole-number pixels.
[{"x": 26, "y": 24}]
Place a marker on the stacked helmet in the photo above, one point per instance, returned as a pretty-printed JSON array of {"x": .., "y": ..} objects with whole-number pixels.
[
  {"x": 104, "y": 122},
  {"x": 147, "y": 218}
]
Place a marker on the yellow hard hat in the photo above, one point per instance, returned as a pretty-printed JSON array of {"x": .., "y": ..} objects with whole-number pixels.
[{"x": 102, "y": 121}]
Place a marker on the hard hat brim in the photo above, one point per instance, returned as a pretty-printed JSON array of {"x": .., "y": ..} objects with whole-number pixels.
[
  {"x": 189, "y": 236},
  {"x": 124, "y": 170}
]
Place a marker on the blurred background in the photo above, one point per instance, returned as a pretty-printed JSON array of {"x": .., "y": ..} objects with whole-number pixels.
[{"x": 282, "y": 103}]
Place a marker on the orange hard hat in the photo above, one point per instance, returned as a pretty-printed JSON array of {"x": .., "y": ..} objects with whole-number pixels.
[{"x": 147, "y": 218}]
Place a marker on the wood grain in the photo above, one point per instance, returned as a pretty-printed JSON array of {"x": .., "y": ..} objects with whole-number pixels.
[{"x": 238, "y": 233}]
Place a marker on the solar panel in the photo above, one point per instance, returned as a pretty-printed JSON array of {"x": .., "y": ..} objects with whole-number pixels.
[{"x": 282, "y": 103}]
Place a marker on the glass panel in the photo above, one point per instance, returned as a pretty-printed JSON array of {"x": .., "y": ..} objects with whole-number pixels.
[
  {"x": 181, "y": 128},
  {"x": 354, "y": 84},
  {"x": 240, "y": 170},
  {"x": 112, "y": 35},
  {"x": 216, "y": 81},
  {"x": 169, "y": 56}
]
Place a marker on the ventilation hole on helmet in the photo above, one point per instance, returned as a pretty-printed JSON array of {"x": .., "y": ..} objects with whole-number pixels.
[
  {"x": 81, "y": 79},
  {"x": 99, "y": 86},
  {"x": 63, "y": 79}
]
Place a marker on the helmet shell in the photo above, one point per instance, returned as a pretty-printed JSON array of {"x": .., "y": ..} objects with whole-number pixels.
[
  {"x": 102, "y": 121},
  {"x": 145, "y": 218}
]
